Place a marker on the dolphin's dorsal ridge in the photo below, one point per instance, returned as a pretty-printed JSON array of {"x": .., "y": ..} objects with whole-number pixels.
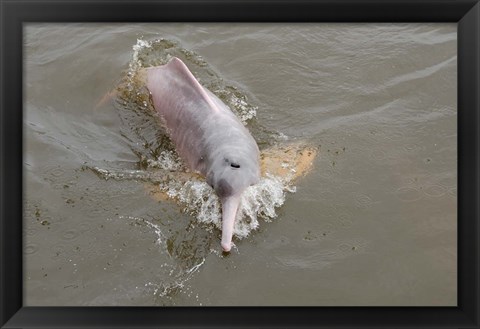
[{"x": 180, "y": 67}]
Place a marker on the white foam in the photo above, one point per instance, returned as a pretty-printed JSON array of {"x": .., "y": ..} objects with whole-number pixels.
[
  {"x": 167, "y": 160},
  {"x": 258, "y": 201},
  {"x": 138, "y": 48},
  {"x": 199, "y": 200}
]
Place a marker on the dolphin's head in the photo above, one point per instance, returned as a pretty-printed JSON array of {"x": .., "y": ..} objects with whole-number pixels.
[{"x": 229, "y": 176}]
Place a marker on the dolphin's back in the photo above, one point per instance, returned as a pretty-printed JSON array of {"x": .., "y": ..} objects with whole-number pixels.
[{"x": 200, "y": 124}]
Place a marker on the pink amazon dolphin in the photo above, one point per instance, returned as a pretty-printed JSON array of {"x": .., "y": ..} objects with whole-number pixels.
[{"x": 207, "y": 136}]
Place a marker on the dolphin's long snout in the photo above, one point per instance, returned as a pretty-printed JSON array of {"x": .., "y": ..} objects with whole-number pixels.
[{"x": 229, "y": 212}]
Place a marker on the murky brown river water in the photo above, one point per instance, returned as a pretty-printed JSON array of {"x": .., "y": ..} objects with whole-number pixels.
[{"x": 374, "y": 222}]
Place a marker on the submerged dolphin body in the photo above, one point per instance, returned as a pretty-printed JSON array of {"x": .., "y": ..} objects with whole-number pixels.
[{"x": 207, "y": 135}]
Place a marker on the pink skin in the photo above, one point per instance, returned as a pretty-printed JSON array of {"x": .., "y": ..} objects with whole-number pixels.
[
  {"x": 207, "y": 135},
  {"x": 229, "y": 212}
]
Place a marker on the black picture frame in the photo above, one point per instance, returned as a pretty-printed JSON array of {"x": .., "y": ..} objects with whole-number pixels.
[{"x": 13, "y": 13}]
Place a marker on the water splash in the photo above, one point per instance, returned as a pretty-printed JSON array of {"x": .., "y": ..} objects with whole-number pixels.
[
  {"x": 199, "y": 200},
  {"x": 168, "y": 160},
  {"x": 159, "y": 164},
  {"x": 165, "y": 291}
]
